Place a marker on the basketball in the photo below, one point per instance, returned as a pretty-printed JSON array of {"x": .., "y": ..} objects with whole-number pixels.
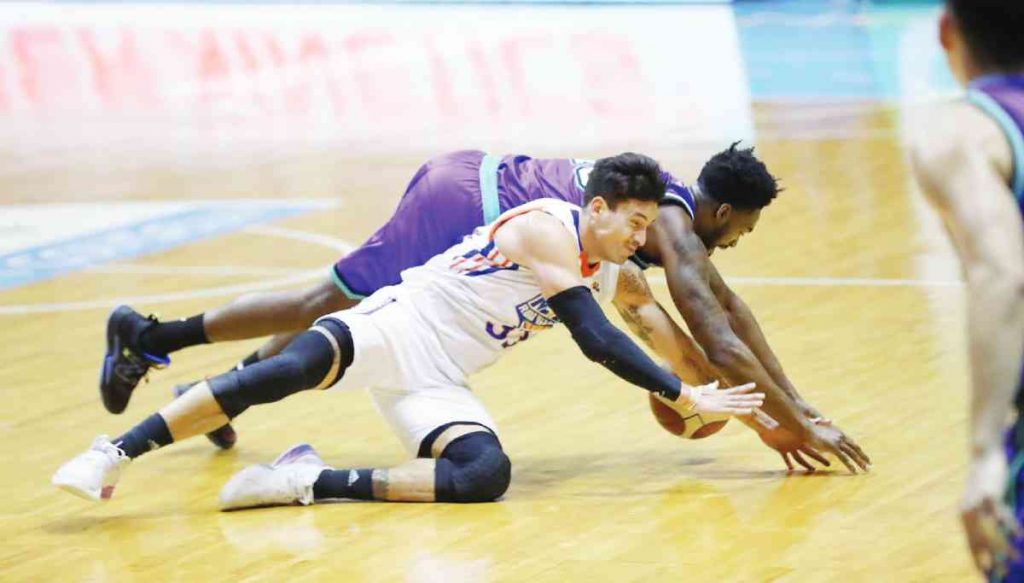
[{"x": 692, "y": 426}]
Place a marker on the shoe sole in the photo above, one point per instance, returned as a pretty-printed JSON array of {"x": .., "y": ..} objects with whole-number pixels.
[
  {"x": 107, "y": 492},
  {"x": 294, "y": 453},
  {"x": 113, "y": 348},
  {"x": 224, "y": 437}
]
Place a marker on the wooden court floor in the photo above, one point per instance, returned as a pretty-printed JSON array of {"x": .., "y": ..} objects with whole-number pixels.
[{"x": 856, "y": 292}]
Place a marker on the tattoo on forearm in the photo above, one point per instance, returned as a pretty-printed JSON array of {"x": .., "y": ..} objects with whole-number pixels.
[
  {"x": 632, "y": 318},
  {"x": 635, "y": 286}
]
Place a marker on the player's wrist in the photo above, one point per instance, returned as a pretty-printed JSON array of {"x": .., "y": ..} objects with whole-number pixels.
[
  {"x": 688, "y": 396},
  {"x": 805, "y": 427}
]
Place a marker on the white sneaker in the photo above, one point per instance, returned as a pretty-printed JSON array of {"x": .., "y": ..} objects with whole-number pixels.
[
  {"x": 93, "y": 474},
  {"x": 302, "y": 453},
  {"x": 289, "y": 480}
]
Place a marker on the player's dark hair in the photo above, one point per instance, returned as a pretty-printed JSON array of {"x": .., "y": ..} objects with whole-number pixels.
[
  {"x": 992, "y": 30},
  {"x": 627, "y": 176},
  {"x": 735, "y": 176}
]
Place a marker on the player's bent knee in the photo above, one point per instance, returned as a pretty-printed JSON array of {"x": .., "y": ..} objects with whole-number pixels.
[
  {"x": 314, "y": 359},
  {"x": 472, "y": 468}
]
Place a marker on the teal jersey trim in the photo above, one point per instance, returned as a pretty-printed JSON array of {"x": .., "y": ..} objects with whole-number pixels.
[
  {"x": 344, "y": 288},
  {"x": 489, "y": 188},
  {"x": 1012, "y": 131}
]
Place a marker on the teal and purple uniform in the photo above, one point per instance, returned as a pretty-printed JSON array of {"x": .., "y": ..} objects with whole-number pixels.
[{"x": 1002, "y": 98}]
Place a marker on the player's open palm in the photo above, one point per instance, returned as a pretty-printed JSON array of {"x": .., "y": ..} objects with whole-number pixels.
[
  {"x": 830, "y": 439},
  {"x": 710, "y": 400}
]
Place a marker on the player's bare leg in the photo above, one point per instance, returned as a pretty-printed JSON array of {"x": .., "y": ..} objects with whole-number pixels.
[
  {"x": 267, "y": 313},
  {"x": 136, "y": 343}
]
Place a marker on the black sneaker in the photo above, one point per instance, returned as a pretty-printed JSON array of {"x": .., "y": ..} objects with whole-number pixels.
[
  {"x": 223, "y": 437},
  {"x": 125, "y": 363}
]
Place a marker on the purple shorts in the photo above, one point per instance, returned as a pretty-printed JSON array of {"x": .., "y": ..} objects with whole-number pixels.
[{"x": 442, "y": 204}]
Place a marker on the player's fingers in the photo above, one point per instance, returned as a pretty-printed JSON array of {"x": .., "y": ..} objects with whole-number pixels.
[
  {"x": 853, "y": 455},
  {"x": 979, "y": 554},
  {"x": 785, "y": 458},
  {"x": 860, "y": 452},
  {"x": 976, "y": 553},
  {"x": 1005, "y": 529},
  {"x": 751, "y": 402},
  {"x": 747, "y": 400},
  {"x": 800, "y": 460},
  {"x": 739, "y": 389},
  {"x": 839, "y": 455},
  {"x": 982, "y": 559},
  {"x": 813, "y": 454},
  {"x": 744, "y": 401}
]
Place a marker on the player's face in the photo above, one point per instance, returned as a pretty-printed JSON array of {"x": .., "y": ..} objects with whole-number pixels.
[
  {"x": 731, "y": 224},
  {"x": 620, "y": 232}
]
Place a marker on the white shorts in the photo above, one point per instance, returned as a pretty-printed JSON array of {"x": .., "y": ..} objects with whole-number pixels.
[{"x": 414, "y": 384}]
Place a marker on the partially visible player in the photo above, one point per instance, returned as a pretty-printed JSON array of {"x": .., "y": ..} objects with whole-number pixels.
[
  {"x": 451, "y": 195},
  {"x": 970, "y": 162},
  {"x": 414, "y": 345}
]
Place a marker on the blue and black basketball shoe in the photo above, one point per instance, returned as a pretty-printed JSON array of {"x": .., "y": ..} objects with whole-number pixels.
[{"x": 125, "y": 363}]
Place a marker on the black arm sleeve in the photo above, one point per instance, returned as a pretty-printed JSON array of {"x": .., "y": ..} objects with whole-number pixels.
[{"x": 607, "y": 345}]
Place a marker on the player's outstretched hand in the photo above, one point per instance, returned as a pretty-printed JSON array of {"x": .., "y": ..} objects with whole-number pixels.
[
  {"x": 988, "y": 522},
  {"x": 791, "y": 447},
  {"x": 830, "y": 439},
  {"x": 741, "y": 400}
]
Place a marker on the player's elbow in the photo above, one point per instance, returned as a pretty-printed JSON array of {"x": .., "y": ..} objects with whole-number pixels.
[
  {"x": 593, "y": 347},
  {"x": 1002, "y": 275}
]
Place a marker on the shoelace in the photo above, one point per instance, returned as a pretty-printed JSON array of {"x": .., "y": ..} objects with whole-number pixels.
[
  {"x": 133, "y": 369},
  {"x": 111, "y": 449}
]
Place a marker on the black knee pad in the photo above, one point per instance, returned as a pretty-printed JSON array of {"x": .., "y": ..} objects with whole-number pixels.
[
  {"x": 315, "y": 358},
  {"x": 472, "y": 468}
]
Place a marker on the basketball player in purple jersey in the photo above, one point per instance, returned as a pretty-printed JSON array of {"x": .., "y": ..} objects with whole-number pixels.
[
  {"x": 970, "y": 162},
  {"x": 451, "y": 195}
]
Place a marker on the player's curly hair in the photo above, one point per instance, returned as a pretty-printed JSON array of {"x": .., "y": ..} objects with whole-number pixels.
[
  {"x": 992, "y": 30},
  {"x": 627, "y": 176},
  {"x": 735, "y": 176}
]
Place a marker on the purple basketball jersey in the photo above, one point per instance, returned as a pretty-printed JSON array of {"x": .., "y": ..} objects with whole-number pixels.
[
  {"x": 522, "y": 179},
  {"x": 1002, "y": 98},
  {"x": 455, "y": 193}
]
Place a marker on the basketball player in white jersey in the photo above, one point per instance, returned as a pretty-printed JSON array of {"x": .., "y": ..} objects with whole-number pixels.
[{"x": 413, "y": 346}]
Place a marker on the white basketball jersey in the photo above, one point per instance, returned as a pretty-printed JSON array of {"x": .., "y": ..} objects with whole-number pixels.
[{"x": 480, "y": 303}]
